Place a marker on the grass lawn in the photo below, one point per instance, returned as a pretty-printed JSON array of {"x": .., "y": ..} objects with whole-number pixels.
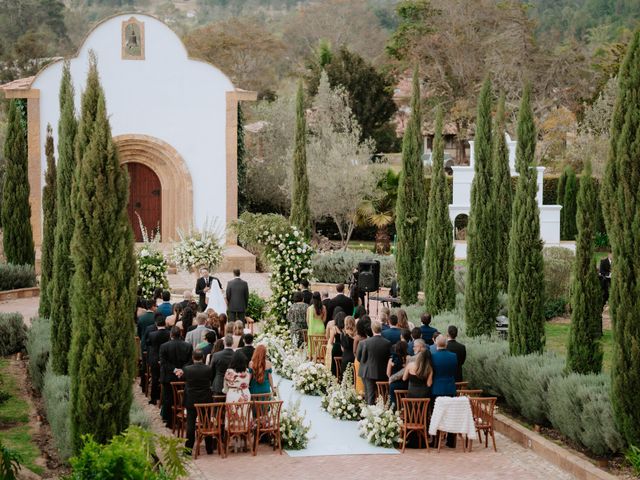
[
  {"x": 558, "y": 336},
  {"x": 14, "y": 413}
]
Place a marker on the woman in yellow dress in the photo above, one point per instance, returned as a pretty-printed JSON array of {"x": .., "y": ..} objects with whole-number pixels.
[{"x": 316, "y": 315}]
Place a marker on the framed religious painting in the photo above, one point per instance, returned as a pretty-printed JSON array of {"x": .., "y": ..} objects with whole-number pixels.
[{"x": 132, "y": 39}]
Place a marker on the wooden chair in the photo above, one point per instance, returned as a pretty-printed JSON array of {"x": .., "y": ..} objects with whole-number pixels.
[
  {"x": 314, "y": 348},
  {"x": 383, "y": 390},
  {"x": 238, "y": 422},
  {"x": 414, "y": 419},
  {"x": 468, "y": 393},
  {"x": 261, "y": 397},
  {"x": 483, "y": 409},
  {"x": 303, "y": 334},
  {"x": 462, "y": 385},
  {"x": 267, "y": 423},
  {"x": 338, "y": 362},
  {"x": 209, "y": 424},
  {"x": 400, "y": 394},
  {"x": 179, "y": 418}
]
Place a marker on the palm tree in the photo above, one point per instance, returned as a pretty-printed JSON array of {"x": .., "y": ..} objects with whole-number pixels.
[{"x": 380, "y": 210}]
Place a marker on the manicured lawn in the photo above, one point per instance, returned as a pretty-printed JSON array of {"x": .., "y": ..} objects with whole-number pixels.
[{"x": 558, "y": 336}]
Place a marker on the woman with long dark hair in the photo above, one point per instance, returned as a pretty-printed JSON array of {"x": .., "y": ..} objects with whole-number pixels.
[
  {"x": 396, "y": 363},
  {"x": 419, "y": 374},
  {"x": 346, "y": 342},
  {"x": 316, "y": 316}
]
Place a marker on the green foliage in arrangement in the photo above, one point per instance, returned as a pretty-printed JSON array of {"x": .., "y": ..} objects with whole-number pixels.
[
  {"x": 13, "y": 333},
  {"x": 526, "y": 272},
  {"x": 16, "y": 276},
  {"x": 336, "y": 267},
  {"x": 481, "y": 292},
  {"x": 411, "y": 206},
  {"x": 16, "y": 210},
  {"x": 438, "y": 281},
  {"x": 103, "y": 290},
  {"x": 620, "y": 196},
  {"x": 62, "y": 262},
  {"x": 568, "y": 227},
  {"x": 584, "y": 353},
  {"x": 300, "y": 212},
  {"x": 38, "y": 348},
  {"x": 49, "y": 226}
]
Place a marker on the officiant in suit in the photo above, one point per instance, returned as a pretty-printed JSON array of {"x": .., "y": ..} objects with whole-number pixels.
[
  {"x": 237, "y": 297},
  {"x": 203, "y": 285}
]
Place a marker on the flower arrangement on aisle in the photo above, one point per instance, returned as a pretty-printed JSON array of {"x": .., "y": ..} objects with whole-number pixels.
[
  {"x": 294, "y": 432},
  {"x": 342, "y": 401},
  {"x": 200, "y": 248},
  {"x": 152, "y": 266},
  {"x": 292, "y": 361},
  {"x": 312, "y": 378},
  {"x": 277, "y": 348},
  {"x": 380, "y": 425}
]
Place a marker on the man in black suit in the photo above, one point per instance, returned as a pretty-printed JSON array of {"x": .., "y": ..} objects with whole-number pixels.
[
  {"x": 306, "y": 293},
  {"x": 248, "y": 348},
  {"x": 145, "y": 321},
  {"x": 174, "y": 356},
  {"x": 154, "y": 341},
  {"x": 458, "y": 348},
  {"x": 340, "y": 300},
  {"x": 219, "y": 363},
  {"x": 203, "y": 285},
  {"x": 373, "y": 355},
  {"x": 237, "y": 297},
  {"x": 197, "y": 378},
  {"x": 604, "y": 272}
]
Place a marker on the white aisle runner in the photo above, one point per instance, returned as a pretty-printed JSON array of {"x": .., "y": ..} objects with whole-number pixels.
[{"x": 328, "y": 436}]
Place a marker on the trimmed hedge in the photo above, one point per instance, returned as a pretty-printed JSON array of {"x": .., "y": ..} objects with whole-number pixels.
[
  {"x": 336, "y": 267},
  {"x": 13, "y": 333},
  {"x": 38, "y": 348},
  {"x": 16, "y": 276}
]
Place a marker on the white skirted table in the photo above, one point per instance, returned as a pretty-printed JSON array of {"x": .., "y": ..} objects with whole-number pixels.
[{"x": 452, "y": 415}]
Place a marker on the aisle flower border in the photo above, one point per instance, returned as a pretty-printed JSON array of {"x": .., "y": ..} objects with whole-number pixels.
[
  {"x": 380, "y": 425},
  {"x": 342, "y": 401}
]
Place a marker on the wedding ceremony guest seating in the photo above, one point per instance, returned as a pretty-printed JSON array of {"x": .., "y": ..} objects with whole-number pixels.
[
  {"x": 483, "y": 409},
  {"x": 238, "y": 423},
  {"x": 468, "y": 393},
  {"x": 219, "y": 398},
  {"x": 452, "y": 415},
  {"x": 178, "y": 416},
  {"x": 314, "y": 351},
  {"x": 400, "y": 394},
  {"x": 261, "y": 397},
  {"x": 414, "y": 419},
  {"x": 267, "y": 422},
  {"x": 383, "y": 390},
  {"x": 461, "y": 385},
  {"x": 209, "y": 424}
]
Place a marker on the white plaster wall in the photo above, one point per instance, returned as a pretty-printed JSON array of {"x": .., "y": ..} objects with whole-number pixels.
[{"x": 167, "y": 96}]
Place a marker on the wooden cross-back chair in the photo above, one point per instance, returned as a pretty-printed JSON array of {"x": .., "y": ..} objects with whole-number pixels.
[
  {"x": 468, "y": 393},
  {"x": 462, "y": 385},
  {"x": 267, "y": 422},
  {"x": 238, "y": 422},
  {"x": 400, "y": 394},
  {"x": 314, "y": 348},
  {"x": 483, "y": 409},
  {"x": 383, "y": 390},
  {"x": 414, "y": 419},
  {"x": 209, "y": 424},
  {"x": 177, "y": 411}
]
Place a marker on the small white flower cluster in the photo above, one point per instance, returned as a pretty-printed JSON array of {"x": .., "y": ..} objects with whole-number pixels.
[
  {"x": 342, "y": 401},
  {"x": 291, "y": 363},
  {"x": 312, "y": 378},
  {"x": 198, "y": 249},
  {"x": 277, "y": 348},
  {"x": 380, "y": 425},
  {"x": 294, "y": 432},
  {"x": 152, "y": 270}
]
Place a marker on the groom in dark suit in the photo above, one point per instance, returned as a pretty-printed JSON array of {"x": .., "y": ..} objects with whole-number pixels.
[
  {"x": 237, "y": 297},
  {"x": 203, "y": 285}
]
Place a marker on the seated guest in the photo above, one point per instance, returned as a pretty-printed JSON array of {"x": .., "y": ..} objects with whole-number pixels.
[
  {"x": 433, "y": 348},
  {"x": 415, "y": 335},
  {"x": 393, "y": 334},
  {"x": 154, "y": 341},
  {"x": 188, "y": 297},
  {"x": 260, "y": 369},
  {"x": 458, "y": 348},
  {"x": 297, "y": 318},
  {"x": 384, "y": 320},
  {"x": 185, "y": 322},
  {"x": 362, "y": 327},
  {"x": 237, "y": 379},
  {"x": 373, "y": 355},
  {"x": 419, "y": 375},
  {"x": 141, "y": 305},
  {"x": 445, "y": 364},
  {"x": 248, "y": 348},
  {"x": 165, "y": 308},
  {"x": 220, "y": 363},
  {"x": 197, "y": 378},
  {"x": 325, "y": 303},
  {"x": 146, "y": 319},
  {"x": 157, "y": 296},
  {"x": 195, "y": 336},
  {"x": 426, "y": 328},
  {"x": 334, "y": 336},
  {"x": 222, "y": 324},
  {"x": 207, "y": 346},
  {"x": 357, "y": 296},
  {"x": 396, "y": 363}
]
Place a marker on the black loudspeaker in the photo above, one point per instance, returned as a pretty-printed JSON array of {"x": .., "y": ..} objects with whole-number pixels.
[{"x": 369, "y": 275}]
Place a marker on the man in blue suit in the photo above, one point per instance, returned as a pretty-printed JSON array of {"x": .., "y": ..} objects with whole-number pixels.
[
  {"x": 445, "y": 365},
  {"x": 165, "y": 308},
  {"x": 426, "y": 328},
  {"x": 393, "y": 333}
]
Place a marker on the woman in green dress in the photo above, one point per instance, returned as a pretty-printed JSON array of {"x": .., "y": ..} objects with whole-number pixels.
[{"x": 316, "y": 315}]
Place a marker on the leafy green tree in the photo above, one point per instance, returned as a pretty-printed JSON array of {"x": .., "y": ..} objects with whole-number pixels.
[
  {"x": 503, "y": 197},
  {"x": 526, "y": 268},
  {"x": 568, "y": 227},
  {"x": 584, "y": 353},
  {"x": 102, "y": 358},
  {"x": 300, "y": 212},
  {"x": 62, "y": 262},
  {"x": 620, "y": 197},
  {"x": 16, "y": 210},
  {"x": 481, "y": 293},
  {"x": 49, "y": 230},
  {"x": 438, "y": 283},
  {"x": 411, "y": 206}
]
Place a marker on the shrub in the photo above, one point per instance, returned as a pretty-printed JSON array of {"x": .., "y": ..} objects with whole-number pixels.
[
  {"x": 554, "y": 307},
  {"x": 336, "y": 267},
  {"x": 558, "y": 264},
  {"x": 484, "y": 363},
  {"x": 250, "y": 226},
  {"x": 257, "y": 306},
  {"x": 459, "y": 276},
  {"x": 139, "y": 417},
  {"x": 633, "y": 457},
  {"x": 55, "y": 393},
  {"x": 13, "y": 333},
  {"x": 38, "y": 348},
  {"x": 16, "y": 276},
  {"x": 9, "y": 463}
]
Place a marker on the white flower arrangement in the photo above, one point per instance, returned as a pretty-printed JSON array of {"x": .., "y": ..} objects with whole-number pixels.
[
  {"x": 152, "y": 266},
  {"x": 342, "y": 401},
  {"x": 312, "y": 378},
  {"x": 277, "y": 348},
  {"x": 380, "y": 425},
  {"x": 294, "y": 432},
  {"x": 291, "y": 363},
  {"x": 199, "y": 248}
]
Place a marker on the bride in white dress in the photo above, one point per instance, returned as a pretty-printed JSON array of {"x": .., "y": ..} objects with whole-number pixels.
[{"x": 215, "y": 299}]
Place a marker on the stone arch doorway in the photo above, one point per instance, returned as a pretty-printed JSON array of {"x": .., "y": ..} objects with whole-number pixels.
[
  {"x": 145, "y": 199},
  {"x": 460, "y": 226},
  {"x": 176, "y": 191}
]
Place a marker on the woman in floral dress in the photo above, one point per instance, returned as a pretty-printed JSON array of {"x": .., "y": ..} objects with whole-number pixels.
[{"x": 236, "y": 385}]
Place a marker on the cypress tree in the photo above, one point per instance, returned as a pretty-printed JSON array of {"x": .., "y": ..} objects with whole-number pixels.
[
  {"x": 584, "y": 353},
  {"x": 439, "y": 285},
  {"x": 16, "y": 210},
  {"x": 102, "y": 358},
  {"x": 503, "y": 197},
  {"x": 481, "y": 293},
  {"x": 568, "y": 227},
  {"x": 620, "y": 197},
  {"x": 300, "y": 212},
  {"x": 526, "y": 268},
  {"x": 49, "y": 230},
  {"x": 562, "y": 182},
  {"x": 62, "y": 262},
  {"x": 411, "y": 206},
  {"x": 242, "y": 164}
]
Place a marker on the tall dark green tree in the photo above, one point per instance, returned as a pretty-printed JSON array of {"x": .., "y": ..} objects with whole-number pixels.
[
  {"x": 526, "y": 267},
  {"x": 16, "y": 210},
  {"x": 300, "y": 212},
  {"x": 481, "y": 293},
  {"x": 62, "y": 262},
  {"x": 411, "y": 207},
  {"x": 562, "y": 183},
  {"x": 620, "y": 197},
  {"x": 568, "y": 227},
  {"x": 102, "y": 358},
  {"x": 49, "y": 230},
  {"x": 502, "y": 196},
  {"x": 242, "y": 164},
  {"x": 438, "y": 283},
  {"x": 584, "y": 353}
]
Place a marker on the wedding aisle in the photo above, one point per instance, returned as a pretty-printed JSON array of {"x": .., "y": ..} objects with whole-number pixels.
[{"x": 328, "y": 436}]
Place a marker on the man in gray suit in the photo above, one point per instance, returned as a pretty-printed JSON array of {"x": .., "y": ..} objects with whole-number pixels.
[
  {"x": 219, "y": 363},
  {"x": 373, "y": 355},
  {"x": 196, "y": 336},
  {"x": 237, "y": 297}
]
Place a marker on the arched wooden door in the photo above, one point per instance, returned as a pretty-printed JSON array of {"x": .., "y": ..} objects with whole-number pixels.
[{"x": 145, "y": 199}]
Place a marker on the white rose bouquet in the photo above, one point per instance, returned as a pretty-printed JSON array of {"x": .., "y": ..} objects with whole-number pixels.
[
  {"x": 312, "y": 378},
  {"x": 380, "y": 425},
  {"x": 294, "y": 432},
  {"x": 199, "y": 248},
  {"x": 277, "y": 348},
  {"x": 342, "y": 401}
]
